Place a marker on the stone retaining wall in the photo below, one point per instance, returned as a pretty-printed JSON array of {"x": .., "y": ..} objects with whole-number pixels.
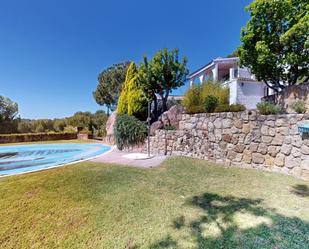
[{"x": 244, "y": 139}]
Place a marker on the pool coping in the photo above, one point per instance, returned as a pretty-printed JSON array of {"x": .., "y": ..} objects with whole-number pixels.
[{"x": 65, "y": 164}]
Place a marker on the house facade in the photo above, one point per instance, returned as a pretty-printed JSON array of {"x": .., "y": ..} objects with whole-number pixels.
[{"x": 244, "y": 88}]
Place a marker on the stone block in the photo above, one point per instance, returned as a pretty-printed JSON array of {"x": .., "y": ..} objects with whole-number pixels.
[
  {"x": 270, "y": 123},
  {"x": 271, "y": 132},
  {"x": 273, "y": 150},
  {"x": 295, "y": 152},
  {"x": 247, "y": 158},
  {"x": 239, "y": 148},
  {"x": 269, "y": 160},
  {"x": 281, "y": 122},
  {"x": 291, "y": 162},
  {"x": 246, "y": 128},
  {"x": 267, "y": 139},
  {"x": 218, "y": 123},
  {"x": 238, "y": 124},
  {"x": 286, "y": 149},
  {"x": 264, "y": 130},
  {"x": 277, "y": 140},
  {"x": 262, "y": 149},
  {"x": 231, "y": 155},
  {"x": 253, "y": 147},
  {"x": 305, "y": 149},
  {"x": 279, "y": 160},
  {"x": 257, "y": 158},
  {"x": 227, "y": 123},
  {"x": 227, "y": 138}
]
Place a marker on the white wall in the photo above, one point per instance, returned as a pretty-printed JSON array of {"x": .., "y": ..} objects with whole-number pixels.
[
  {"x": 233, "y": 91},
  {"x": 249, "y": 93}
]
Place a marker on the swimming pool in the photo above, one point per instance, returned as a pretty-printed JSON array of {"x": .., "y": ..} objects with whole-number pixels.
[{"x": 27, "y": 158}]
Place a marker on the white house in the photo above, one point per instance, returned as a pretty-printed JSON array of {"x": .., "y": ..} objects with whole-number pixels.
[{"x": 244, "y": 88}]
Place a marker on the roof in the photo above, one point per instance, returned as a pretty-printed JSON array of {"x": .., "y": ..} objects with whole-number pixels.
[{"x": 211, "y": 63}]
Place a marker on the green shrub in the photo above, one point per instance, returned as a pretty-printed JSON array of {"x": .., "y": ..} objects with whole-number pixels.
[
  {"x": 237, "y": 108},
  {"x": 128, "y": 131},
  {"x": 223, "y": 108},
  {"x": 215, "y": 89},
  {"x": 267, "y": 108},
  {"x": 132, "y": 100},
  {"x": 299, "y": 106},
  {"x": 31, "y": 137},
  {"x": 194, "y": 99},
  {"x": 169, "y": 127},
  {"x": 211, "y": 102}
]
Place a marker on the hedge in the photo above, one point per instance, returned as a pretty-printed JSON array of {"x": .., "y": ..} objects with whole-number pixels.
[{"x": 32, "y": 137}]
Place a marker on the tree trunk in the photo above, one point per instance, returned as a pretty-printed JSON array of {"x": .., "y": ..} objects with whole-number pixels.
[
  {"x": 164, "y": 101},
  {"x": 155, "y": 111}
]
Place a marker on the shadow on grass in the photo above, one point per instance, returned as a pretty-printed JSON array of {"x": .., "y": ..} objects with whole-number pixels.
[
  {"x": 167, "y": 242},
  {"x": 230, "y": 222},
  {"x": 300, "y": 190}
]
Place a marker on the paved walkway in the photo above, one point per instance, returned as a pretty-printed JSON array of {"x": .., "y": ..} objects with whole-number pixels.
[{"x": 116, "y": 157}]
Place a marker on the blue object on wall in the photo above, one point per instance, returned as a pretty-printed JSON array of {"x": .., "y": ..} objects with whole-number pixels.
[{"x": 303, "y": 128}]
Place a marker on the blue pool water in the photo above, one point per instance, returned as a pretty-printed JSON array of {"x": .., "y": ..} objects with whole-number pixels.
[{"x": 25, "y": 158}]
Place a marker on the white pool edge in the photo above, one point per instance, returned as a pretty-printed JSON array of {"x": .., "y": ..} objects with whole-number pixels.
[{"x": 65, "y": 164}]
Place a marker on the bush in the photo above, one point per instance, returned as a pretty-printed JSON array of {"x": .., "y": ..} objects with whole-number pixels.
[
  {"x": 267, "y": 108},
  {"x": 211, "y": 102},
  {"x": 132, "y": 100},
  {"x": 299, "y": 106},
  {"x": 215, "y": 89},
  {"x": 194, "y": 99},
  {"x": 169, "y": 127},
  {"x": 129, "y": 130},
  {"x": 223, "y": 108},
  {"x": 31, "y": 137},
  {"x": 237, "y": 108}
]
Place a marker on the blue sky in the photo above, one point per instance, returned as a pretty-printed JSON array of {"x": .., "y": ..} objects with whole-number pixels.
[{"x": 52, "y": 51}]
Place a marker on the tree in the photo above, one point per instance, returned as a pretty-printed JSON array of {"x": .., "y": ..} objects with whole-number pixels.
[
  {"x": 275, "y": 42},
  {"x": 8, "y": 115},
  {"x": 82, "y": 119},
  {"x": 59, "y": 124},
  {"x": 162, "y": 74},
  {"x": 109, "y": 85},
  {"x": 99, "y": 119},
  {"x": 132, "y": 100}
]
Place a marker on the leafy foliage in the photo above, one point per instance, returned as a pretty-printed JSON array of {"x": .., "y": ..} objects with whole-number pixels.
[
  {"x": 217, "y": 90},
  {"x": 8, "y": 115},
  {"x": 299, "y": 106},
  {"x": 237, "y": 108},
  {"x": 162, "y": 74},
  {"x": 169, "y": 127},
  {"x": 128, "y": 131},
  {"x": 211, "y": 102},
  {"x": 275, "y": 42},
  {"x": 132, "y": 100},
  {"x": 267, "y": 108},
  {"x": 90, "y": 122},
  {"x": 82, "y": 120},
  {"x": 194, "y": 99},
  {"x": 110, "y": 82}
]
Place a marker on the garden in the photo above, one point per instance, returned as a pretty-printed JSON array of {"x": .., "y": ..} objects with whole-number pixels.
[{"x": 185, "y": 203}]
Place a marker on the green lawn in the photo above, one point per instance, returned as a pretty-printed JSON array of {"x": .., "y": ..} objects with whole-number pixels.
[{"x": 186, "y": 203}]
